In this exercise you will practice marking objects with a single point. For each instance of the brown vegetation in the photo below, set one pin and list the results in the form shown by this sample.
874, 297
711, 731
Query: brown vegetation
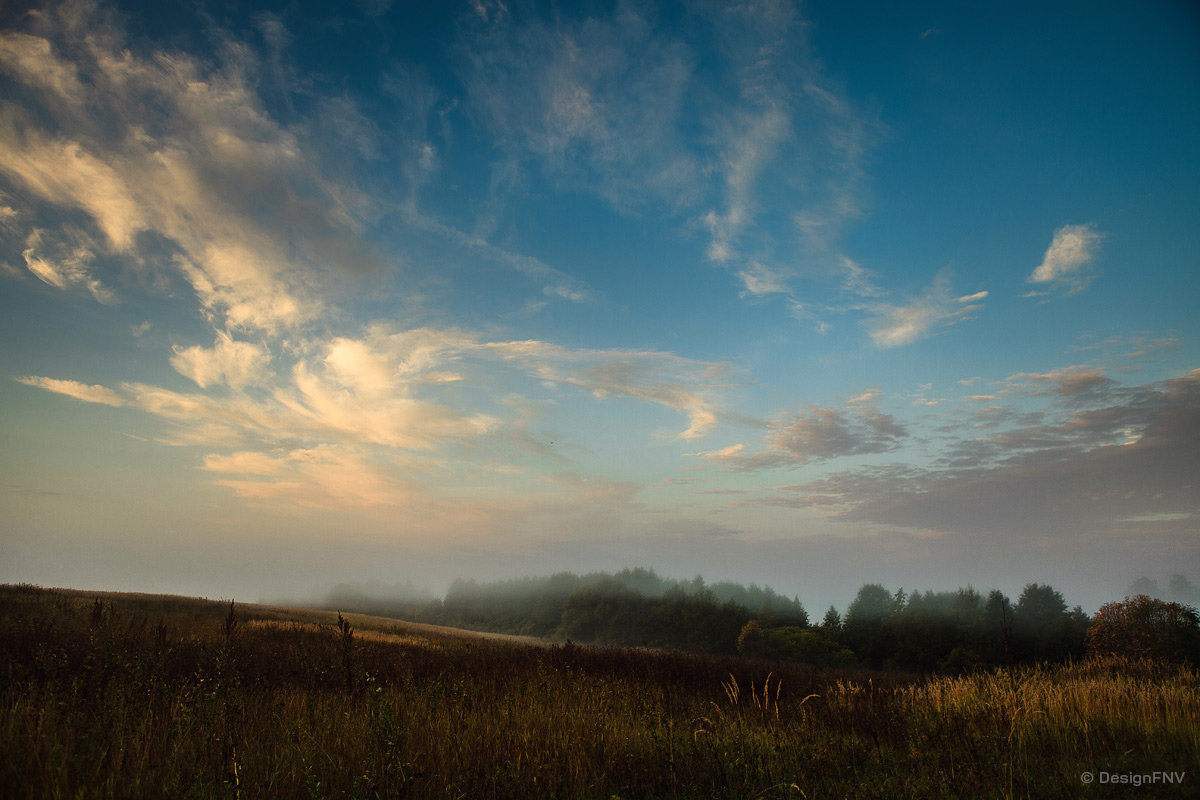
139, 696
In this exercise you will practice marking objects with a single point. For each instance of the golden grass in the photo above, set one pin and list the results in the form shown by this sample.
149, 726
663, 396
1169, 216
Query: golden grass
153, 698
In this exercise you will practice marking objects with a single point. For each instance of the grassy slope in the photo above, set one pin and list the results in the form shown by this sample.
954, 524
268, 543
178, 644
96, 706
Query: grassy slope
153, 696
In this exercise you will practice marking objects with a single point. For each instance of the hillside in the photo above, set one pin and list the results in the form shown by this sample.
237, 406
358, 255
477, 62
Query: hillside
151, 696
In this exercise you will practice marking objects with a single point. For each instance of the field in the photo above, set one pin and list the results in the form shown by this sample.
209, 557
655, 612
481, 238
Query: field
149, 696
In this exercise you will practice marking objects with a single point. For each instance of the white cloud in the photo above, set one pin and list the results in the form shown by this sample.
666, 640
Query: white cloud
233, 363
865, 400
245, 462
356, 365
596, 101
31, 58
1069, 257
616, 105
897, 325
387, 389
555, 283
662, 378
326, 407
326, 476
75, 389
857, 280
160, 148
762, 280
750, 144
726, 455
65, 263
65, 174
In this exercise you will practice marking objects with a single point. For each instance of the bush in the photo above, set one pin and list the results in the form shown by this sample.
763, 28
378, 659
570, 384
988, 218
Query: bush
1142, 626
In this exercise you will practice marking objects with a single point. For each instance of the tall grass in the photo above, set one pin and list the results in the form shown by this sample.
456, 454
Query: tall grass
158, 697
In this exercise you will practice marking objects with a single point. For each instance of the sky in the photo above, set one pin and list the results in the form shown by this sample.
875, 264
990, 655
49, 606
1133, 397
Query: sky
809, 295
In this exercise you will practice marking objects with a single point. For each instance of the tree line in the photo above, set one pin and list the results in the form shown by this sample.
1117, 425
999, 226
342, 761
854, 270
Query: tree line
952, 632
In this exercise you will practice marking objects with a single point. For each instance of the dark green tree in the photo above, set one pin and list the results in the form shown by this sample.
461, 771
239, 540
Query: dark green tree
1043, 630
863, 627
832, 620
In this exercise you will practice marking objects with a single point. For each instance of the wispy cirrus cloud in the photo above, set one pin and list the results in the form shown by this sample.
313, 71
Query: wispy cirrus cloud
174, 164
80, 391
594, 101
621, 105
936, 308
661, 378
554, 282
66, 261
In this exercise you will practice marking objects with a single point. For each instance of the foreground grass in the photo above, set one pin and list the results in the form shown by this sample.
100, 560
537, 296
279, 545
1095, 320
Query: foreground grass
155, 697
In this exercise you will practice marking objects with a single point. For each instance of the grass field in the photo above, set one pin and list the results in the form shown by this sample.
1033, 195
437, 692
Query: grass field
147, 696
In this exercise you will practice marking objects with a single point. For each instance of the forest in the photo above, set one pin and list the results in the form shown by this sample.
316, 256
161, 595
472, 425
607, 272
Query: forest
950, 632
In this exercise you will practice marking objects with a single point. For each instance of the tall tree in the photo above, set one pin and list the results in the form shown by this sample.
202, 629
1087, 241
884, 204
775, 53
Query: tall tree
863, 627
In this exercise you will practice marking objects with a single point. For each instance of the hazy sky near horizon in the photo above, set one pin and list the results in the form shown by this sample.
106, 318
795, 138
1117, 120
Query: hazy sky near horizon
811, 295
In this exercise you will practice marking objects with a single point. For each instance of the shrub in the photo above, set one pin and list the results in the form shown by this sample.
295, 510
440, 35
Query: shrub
1143, 626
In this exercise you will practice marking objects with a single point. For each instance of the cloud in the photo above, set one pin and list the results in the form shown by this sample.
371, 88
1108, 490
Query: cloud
898, 325
658, 377
65, 174
726, 455
31, 58
233, 363
395, 395
326, 406
1071, 382
817, 434
324, 477
856, 280
751, 143
555, 283
1071, 476
176, 165
789, 150
1068, 260
65, 263
80, 391
823, 433
758, 279
409, 498
595, 101
625, 107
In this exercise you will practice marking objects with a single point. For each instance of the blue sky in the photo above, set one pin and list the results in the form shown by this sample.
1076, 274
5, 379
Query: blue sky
804, 294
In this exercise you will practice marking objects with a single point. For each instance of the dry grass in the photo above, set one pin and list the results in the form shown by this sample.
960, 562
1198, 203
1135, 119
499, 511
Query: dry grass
157, 697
